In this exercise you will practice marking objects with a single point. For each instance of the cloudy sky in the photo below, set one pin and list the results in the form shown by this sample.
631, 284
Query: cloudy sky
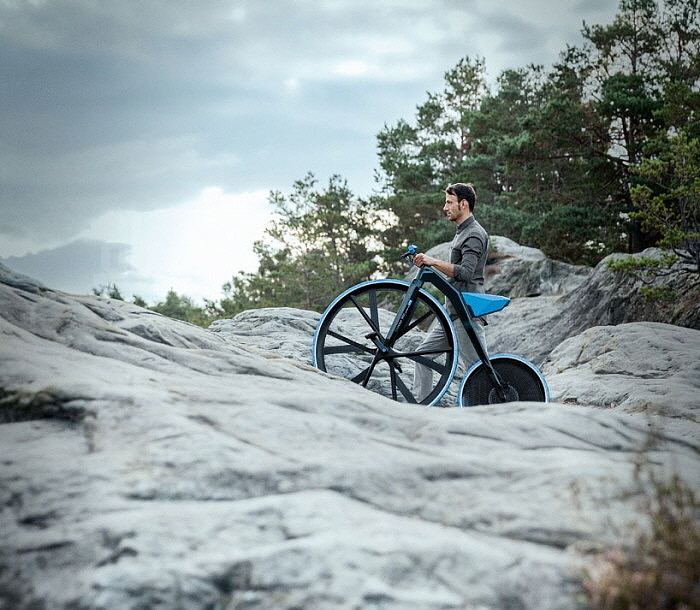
139, 139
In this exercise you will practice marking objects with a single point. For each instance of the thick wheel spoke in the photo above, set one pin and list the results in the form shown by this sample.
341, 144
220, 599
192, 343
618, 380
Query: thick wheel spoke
419, 357
362, 375
404, 390
394, 377
372, 325
415, 323
397, 383
342, 349
368, 373
350, 348
374, 310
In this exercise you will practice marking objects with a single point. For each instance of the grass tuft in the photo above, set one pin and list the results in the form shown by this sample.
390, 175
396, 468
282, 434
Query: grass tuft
659, 567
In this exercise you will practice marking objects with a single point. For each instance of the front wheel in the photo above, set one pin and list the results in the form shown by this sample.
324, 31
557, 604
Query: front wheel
351, 341
523, 382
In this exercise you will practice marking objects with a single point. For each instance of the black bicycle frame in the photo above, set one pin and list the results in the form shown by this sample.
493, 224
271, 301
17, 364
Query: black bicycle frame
437, 279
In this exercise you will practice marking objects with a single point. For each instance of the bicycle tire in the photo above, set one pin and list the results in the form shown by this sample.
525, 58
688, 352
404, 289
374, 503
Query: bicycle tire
523, 379
349, 341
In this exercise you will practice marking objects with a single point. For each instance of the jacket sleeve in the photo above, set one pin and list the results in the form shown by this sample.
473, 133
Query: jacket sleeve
469, 252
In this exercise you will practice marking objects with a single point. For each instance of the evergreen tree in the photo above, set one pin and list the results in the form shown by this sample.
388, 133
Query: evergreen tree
419, 160
550, 154
562, 195
668, 202
318, 243
667, 199
181, 307
644, 70
110, 290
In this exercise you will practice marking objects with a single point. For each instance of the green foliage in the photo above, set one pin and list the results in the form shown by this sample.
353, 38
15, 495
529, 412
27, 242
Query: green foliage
175, 306
667, 201
633, 264
110, 290
182, 307
647, 269
318, 243
658, 293
668, 198
562, 196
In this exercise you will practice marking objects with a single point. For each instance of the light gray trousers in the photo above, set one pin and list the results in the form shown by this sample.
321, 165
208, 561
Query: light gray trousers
436, 339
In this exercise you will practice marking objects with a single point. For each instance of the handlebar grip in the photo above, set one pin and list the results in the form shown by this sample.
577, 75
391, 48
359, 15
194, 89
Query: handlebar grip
410, 253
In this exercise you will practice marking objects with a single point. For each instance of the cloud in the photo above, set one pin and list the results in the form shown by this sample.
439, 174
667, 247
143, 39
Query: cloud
75, 267
353, 67
192, 248
136, 108
57, 195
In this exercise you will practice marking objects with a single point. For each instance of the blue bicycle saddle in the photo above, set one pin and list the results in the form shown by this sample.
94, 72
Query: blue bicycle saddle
484, 304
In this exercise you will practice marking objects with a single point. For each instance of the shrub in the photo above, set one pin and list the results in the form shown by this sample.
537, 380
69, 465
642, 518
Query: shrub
659, 567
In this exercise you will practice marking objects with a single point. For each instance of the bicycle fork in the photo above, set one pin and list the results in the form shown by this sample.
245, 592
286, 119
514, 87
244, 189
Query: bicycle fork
406, 309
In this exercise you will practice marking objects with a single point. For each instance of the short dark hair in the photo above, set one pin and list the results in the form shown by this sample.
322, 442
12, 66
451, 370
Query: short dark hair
463, 191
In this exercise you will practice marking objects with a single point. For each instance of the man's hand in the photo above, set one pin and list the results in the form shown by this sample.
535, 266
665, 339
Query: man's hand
421, 259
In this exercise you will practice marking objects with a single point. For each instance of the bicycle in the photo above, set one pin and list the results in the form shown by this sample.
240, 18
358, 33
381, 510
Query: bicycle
397, 315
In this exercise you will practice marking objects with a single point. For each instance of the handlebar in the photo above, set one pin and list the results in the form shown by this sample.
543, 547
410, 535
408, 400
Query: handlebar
411, 251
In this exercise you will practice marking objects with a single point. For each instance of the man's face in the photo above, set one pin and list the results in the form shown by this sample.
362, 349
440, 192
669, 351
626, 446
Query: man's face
453, 208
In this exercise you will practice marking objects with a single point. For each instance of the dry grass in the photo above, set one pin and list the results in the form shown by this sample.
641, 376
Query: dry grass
658, 568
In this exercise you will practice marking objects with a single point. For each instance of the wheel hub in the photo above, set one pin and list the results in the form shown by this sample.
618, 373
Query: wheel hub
384, 352
510, 394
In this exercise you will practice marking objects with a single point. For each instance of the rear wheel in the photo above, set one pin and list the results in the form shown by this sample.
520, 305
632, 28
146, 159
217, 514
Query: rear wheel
522, 379
350, 341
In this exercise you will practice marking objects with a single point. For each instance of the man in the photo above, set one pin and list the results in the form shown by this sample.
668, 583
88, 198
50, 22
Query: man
469, 250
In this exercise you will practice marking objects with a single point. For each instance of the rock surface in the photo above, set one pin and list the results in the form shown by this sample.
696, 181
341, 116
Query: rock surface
282, 331
148, 463
533, 327
638, 367
520, 271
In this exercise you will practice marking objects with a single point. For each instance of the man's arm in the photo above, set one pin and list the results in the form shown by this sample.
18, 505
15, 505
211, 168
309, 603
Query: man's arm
471, 251
421, 259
